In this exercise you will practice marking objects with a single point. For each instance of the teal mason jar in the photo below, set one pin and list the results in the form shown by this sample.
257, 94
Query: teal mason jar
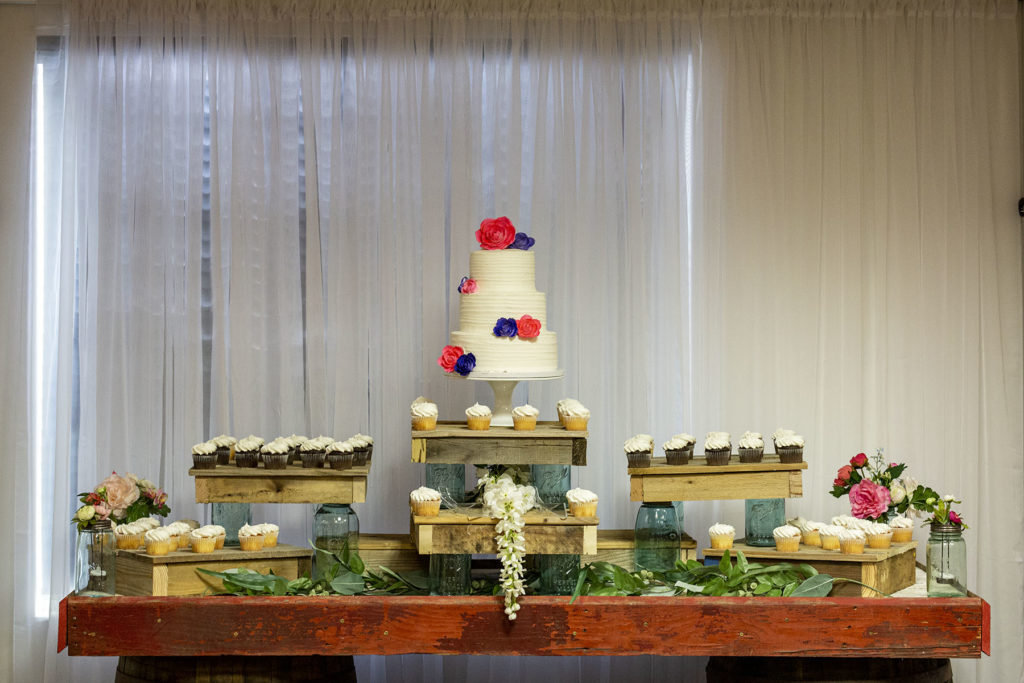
656, 537
762, 516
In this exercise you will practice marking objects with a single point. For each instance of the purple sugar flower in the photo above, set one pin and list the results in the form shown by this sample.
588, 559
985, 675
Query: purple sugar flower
506, 327
465, 364
522, 241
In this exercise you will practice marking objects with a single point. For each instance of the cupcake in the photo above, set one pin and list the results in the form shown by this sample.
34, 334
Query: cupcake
788, 445
829, 534
424, 415
524, 418
787, 538
810, 534
560, 408
204, 456
478, 417
902, 530
225, 448
425, 502
679, 449
851, 541
582, 503
367, 441
717, 448
270, 532
221, 534
190, 523
275, 454
339, 455
295, 442
722, 536
576, 416
179, 532
312, 454
879, 535
639, 450
250, 537
247, 451
751, 447
128, 536
360, 450
158, 542
147, 523
203, 540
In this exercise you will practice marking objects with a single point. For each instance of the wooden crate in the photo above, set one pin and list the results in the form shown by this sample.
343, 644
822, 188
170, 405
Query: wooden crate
175, 573
394, 551
455, 443
887, 570
294, 484
662, 483
456, 532
616, 546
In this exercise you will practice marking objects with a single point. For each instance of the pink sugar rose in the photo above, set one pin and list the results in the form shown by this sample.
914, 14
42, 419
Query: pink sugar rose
121, 492
495, 233
449, 356
868, 500
529, 327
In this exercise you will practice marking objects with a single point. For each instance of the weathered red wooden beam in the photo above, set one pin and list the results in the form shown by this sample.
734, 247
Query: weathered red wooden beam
808, 627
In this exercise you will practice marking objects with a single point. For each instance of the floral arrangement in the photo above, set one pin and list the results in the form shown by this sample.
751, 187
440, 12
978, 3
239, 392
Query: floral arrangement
121, 500
499, 233
944, 514
467, 286
509, 501
880, 491
454, 359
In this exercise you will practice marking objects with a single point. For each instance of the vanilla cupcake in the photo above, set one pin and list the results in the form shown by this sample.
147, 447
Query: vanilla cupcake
717, 448
751, 447
478, 417
203, 540
851, 541
879, 535
148, 523
810, 534
787, 538
788, 445
275, 454
179, 532
312, 453
576, 416
221, 534
424, 415
425, 502
250, 537
158, 542
270, 533
225, 448
902, 530
829, 535
524, 418
204, 456
560, 408
190, 523
247, 451
722, 536
340, 455
128, 536
582, 503
679, 449
639, 450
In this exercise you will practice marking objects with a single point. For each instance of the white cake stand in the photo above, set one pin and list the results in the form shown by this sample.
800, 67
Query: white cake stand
503, 384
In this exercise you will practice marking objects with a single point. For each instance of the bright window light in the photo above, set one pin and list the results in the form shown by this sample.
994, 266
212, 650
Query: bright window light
42, 587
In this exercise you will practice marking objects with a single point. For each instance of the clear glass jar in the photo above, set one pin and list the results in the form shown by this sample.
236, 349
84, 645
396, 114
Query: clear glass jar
762, 516
656, 537
231, 516
552, 483
335, 527
558, 573
449, 481
946, 564
450, 574
95, 558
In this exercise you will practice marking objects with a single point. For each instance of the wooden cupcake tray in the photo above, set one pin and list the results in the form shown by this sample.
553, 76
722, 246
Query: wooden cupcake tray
663, 483
455, 443
456, 532
888, 570
294, 484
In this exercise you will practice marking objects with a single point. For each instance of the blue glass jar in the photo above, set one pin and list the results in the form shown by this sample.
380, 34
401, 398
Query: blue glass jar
448, 480
656, 537
762, 516
450, 574
552, 482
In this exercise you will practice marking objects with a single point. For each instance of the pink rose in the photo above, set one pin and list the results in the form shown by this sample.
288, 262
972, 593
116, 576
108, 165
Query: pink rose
955, 518
868, 500
467, 286
844, 473
859, 460
528, 327
102, 511
449, 356
121, 492
495, 233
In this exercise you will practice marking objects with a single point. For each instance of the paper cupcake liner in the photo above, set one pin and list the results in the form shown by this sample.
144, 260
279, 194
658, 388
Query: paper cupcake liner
204, 461
790, 454
359, 457
678, 457
718, 457
275, 461
312, 459
641, 459
340, 461
247, 459
751, 454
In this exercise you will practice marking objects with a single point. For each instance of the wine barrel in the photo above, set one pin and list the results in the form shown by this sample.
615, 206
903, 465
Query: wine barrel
826, 669
233, 669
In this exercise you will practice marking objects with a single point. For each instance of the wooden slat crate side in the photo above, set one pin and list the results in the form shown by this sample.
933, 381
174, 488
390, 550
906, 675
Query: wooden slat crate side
264, 489
698, 465
183, 579
499, 451
723, 485
175, 574
823, 627
456, 539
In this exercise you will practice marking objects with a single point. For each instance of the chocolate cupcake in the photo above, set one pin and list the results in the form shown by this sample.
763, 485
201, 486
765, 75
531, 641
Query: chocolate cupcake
204, 456
717, 448
225, 448
788, 445
751, 447
312, 454
275, 454
639, 450
247, 451
340, 455
679, 449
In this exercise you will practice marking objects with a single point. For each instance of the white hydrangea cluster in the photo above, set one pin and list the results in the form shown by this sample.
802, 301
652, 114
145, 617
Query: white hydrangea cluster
508, 501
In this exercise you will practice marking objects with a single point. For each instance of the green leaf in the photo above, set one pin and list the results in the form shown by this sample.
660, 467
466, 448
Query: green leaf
356, 564
741, 562
725, 564
578, 591
605, 591
762, 588
692, 588
807, 570
817, 586
347, 583
788, 590
625, 581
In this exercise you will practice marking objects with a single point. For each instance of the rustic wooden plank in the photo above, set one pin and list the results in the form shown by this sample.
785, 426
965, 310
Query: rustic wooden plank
62, 624
476, 538
455, 443
545, 429
533, 517
262, 488
698, 465
394, 551
289, 472
713, 483
226, 554
616, 546
803, 627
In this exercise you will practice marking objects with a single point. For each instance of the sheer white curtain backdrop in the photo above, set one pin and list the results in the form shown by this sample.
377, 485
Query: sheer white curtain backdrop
747, 215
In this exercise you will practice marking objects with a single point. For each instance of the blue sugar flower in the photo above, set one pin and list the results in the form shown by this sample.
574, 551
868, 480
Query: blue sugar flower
506, 327
465, 364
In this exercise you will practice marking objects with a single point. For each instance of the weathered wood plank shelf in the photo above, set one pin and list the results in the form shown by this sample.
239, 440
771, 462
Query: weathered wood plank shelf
662, 483
888, 570
294, 484
175, 573
454, 443
454, 532
391, 625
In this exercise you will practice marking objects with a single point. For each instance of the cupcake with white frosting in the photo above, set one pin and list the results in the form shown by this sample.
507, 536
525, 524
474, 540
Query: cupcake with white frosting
250, 537
270, 532
295, 441
478, 417
204, 455
340, 455
158, 542
220, 534
851, 541
424, 415
425, 502
751, 447
679, 449
524, 418
367, 442
247, 451
902, 529
717, 448
639, 450
313, 453
788, 445
582, 503
787, 538
574, 416
810, 532
179, 532
275, 454
203, 540
829, 535
879, 535
225, 448
722, 536
128, 536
